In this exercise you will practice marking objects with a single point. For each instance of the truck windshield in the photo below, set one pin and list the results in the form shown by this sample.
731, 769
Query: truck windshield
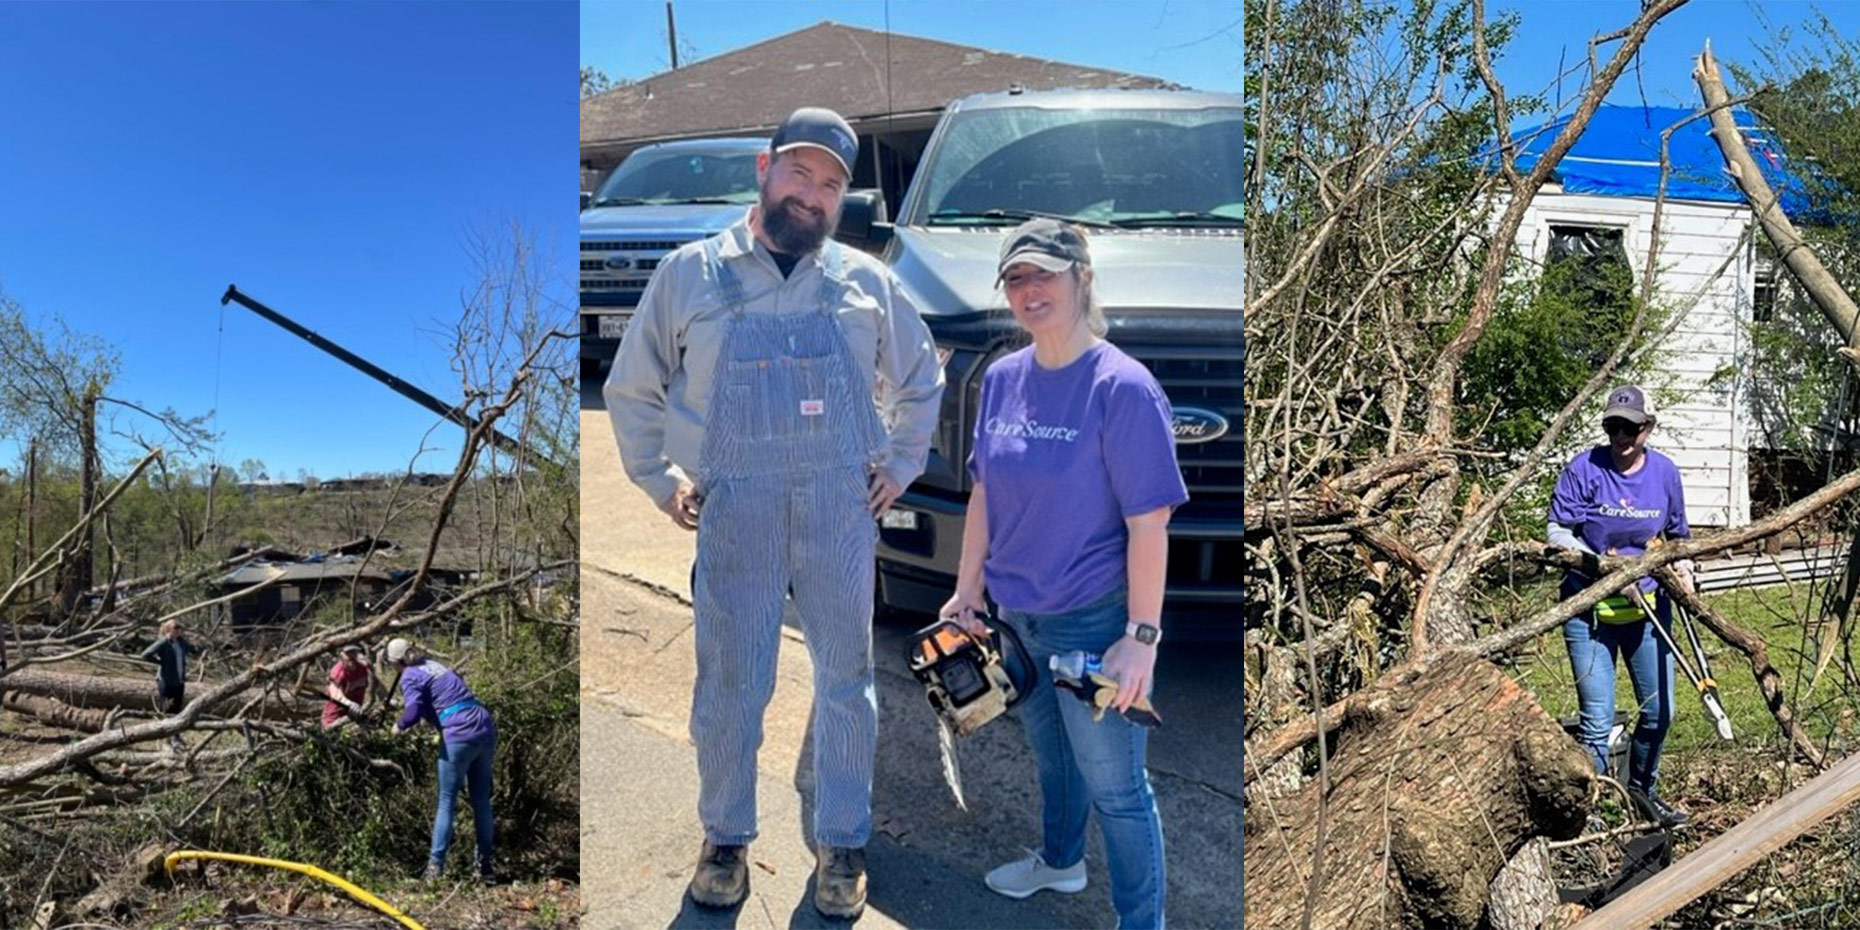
1120, 167
681, 177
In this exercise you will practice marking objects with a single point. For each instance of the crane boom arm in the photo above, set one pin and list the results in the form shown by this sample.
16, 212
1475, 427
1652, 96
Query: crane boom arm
453, 412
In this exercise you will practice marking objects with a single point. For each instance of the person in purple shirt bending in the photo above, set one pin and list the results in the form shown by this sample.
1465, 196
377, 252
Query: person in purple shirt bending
1615, 499
1074, 477
468, 743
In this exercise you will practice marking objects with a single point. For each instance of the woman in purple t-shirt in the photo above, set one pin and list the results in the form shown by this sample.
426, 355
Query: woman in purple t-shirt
1074, 477
1614, 500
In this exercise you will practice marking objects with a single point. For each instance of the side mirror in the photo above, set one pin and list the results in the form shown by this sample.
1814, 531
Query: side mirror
864, 220
587, 197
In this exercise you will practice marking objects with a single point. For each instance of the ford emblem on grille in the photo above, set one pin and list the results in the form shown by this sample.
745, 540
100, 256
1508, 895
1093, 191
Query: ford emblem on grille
618, 263
1194, 425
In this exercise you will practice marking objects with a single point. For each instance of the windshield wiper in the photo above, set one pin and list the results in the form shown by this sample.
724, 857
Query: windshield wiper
621, 202
1184, 218
1006, 216
709, 200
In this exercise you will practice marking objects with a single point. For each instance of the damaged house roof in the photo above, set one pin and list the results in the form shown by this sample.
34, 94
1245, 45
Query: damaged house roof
843, 68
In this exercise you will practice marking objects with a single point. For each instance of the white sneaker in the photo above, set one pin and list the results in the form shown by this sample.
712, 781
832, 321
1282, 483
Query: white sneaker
1022, 878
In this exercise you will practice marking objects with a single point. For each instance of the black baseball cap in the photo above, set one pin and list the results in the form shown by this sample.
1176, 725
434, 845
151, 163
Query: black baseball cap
1629, 403
822, 129
1047, 243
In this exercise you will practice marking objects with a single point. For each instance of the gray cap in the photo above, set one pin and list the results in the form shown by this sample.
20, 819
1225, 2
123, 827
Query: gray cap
821, 128
1047, 243
397, 649
352, 647
1630, 403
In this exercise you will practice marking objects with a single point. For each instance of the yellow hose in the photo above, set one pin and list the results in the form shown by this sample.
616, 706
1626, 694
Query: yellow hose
354, 891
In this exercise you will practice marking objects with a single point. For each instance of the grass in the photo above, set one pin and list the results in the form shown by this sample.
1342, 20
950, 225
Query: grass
1774, 614
1813, 881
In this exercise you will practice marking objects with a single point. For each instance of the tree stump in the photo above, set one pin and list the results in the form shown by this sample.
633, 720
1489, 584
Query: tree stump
1441, 772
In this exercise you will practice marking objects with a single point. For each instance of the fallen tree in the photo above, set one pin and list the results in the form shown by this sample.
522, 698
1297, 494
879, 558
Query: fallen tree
1384, 536
1440, 774
79, 689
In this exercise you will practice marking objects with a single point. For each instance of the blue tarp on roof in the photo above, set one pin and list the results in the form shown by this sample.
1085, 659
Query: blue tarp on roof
1618, 155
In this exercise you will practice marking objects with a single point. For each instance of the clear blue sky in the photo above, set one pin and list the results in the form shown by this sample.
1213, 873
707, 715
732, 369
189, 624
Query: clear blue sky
1736, 28
1191, 42
330, 158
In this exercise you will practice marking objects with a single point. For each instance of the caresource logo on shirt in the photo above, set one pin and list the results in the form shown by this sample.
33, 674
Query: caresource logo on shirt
1627, 510
1030, 429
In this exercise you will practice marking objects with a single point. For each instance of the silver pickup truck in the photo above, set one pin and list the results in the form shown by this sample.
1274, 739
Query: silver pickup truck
661, 197
1155, 177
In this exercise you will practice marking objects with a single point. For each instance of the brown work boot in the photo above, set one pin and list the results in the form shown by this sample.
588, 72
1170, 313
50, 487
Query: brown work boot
839, 882
722, 878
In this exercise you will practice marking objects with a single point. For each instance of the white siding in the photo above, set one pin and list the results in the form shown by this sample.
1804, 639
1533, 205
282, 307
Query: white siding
1704, 275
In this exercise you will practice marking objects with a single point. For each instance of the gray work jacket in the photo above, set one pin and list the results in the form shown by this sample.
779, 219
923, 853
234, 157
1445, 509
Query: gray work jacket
658, 393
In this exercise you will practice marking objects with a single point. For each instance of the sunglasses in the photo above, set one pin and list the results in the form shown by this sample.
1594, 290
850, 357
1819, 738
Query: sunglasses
1617, 427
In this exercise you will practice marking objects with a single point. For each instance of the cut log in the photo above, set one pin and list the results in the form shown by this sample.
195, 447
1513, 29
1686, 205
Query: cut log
105, 693
53, 712
1442, 773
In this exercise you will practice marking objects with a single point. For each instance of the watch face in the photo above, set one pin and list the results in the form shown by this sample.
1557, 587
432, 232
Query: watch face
1146, 634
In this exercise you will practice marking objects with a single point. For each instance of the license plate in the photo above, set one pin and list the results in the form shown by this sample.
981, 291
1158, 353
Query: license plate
895, 519
613, 326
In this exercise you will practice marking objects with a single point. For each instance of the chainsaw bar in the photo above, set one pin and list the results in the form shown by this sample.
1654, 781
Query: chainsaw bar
952, 772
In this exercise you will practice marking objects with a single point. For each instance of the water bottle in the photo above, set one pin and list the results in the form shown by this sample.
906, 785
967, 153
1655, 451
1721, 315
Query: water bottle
1077, 666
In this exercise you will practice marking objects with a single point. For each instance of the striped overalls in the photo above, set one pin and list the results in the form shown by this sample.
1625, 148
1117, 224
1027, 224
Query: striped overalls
789, 443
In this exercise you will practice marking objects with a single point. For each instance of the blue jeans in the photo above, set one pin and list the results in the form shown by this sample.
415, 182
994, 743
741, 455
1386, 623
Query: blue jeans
1086, 764
1592, 649
467, 764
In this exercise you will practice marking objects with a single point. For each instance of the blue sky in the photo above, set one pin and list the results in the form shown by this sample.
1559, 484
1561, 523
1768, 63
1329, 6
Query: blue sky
331, 158
1736, 28
1191, 42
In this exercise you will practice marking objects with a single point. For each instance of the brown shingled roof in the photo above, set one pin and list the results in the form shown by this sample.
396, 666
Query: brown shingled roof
828, 65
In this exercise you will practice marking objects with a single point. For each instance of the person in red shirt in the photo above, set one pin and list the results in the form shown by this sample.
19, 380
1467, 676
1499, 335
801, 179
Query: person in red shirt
348, 689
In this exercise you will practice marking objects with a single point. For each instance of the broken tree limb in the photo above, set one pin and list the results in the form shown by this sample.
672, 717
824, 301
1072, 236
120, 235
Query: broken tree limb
53, 712
1620, 572
1719, 860
1820, 285
1769, 681
1439, 777
104, 693
1623, 571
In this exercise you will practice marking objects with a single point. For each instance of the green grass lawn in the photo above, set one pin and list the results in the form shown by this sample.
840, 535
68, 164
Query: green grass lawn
1774, 613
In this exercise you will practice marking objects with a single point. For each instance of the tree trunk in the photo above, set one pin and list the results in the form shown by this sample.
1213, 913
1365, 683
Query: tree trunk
54, 712
101, 692
1822, 287
1441, 773
1524, 893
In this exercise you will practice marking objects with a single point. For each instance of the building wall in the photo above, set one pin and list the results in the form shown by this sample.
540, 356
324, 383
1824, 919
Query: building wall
1705, 279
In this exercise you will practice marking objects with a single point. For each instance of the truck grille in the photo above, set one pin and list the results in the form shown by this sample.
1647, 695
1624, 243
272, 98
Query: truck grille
604, 285
1203, 552
1208, 380
651, 245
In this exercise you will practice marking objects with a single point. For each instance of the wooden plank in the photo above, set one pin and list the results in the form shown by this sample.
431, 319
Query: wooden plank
1734, 850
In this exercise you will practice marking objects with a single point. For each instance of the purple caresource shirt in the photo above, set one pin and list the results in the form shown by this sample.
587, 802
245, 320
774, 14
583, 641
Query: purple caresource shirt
1065, 455
1608, 509
430, 688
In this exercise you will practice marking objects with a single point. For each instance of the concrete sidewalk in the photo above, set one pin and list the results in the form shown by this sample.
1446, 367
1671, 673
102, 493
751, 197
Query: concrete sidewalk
640, 839
640, 834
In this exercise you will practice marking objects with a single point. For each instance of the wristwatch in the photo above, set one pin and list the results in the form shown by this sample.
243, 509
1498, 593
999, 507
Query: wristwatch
1144, 633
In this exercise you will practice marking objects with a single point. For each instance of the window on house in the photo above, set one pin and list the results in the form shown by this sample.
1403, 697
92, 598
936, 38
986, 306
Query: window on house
1586, 269
1763, 295
1600, 251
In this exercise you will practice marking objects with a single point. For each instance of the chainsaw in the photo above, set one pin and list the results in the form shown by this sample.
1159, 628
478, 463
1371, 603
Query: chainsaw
970, 680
